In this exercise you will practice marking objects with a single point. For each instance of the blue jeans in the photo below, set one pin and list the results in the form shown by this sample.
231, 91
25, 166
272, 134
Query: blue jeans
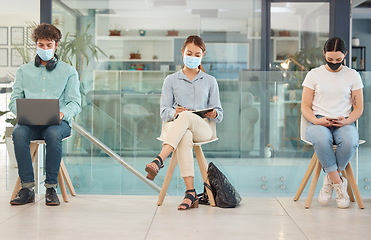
345, 137
53, 135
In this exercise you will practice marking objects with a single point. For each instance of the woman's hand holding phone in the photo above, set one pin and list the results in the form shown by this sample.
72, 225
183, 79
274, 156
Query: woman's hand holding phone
332, 118
324, 121
340, 121
331, 121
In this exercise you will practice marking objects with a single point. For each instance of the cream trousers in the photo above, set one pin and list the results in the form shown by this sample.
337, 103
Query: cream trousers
181, 134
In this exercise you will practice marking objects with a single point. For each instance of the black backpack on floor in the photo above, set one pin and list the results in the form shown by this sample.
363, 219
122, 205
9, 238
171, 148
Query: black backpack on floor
225, 194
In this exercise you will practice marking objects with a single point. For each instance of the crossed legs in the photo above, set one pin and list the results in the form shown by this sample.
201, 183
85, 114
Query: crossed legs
179, 136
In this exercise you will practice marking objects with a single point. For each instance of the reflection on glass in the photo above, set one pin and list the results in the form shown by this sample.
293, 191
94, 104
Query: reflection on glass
259, 147
298, 32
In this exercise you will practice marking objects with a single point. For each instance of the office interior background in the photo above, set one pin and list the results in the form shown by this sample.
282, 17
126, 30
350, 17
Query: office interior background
259, 52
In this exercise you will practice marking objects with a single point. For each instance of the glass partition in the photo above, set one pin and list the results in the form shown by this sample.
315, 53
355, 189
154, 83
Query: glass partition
259, 147
363, 169
129, 123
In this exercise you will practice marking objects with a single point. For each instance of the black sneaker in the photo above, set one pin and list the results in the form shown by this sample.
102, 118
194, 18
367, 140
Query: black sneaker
51, 198
25, 195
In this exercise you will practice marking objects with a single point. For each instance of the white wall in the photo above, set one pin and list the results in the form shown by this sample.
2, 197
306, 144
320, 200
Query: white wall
16, 14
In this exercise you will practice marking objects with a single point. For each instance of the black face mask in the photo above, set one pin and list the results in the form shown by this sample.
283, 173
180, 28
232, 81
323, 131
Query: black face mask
334, 66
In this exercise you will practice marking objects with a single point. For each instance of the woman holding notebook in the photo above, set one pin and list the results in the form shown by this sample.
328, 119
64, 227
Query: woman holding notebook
188, 89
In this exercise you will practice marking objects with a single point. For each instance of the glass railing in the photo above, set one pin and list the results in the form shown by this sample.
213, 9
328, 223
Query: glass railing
364, 128
91, 168
7, 159
259, 147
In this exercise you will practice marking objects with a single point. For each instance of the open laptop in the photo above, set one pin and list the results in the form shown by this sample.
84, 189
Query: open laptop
40, 112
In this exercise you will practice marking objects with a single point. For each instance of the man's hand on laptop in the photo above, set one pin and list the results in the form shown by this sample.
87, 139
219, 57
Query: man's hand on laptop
61, 115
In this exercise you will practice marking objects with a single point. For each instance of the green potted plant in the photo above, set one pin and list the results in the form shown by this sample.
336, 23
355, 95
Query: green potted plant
78, 48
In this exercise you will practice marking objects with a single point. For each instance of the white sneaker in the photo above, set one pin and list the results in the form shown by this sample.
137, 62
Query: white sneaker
325, 194
342, 198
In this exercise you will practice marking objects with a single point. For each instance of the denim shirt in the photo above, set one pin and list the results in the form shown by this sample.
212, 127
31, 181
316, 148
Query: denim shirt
200, 93
38, 83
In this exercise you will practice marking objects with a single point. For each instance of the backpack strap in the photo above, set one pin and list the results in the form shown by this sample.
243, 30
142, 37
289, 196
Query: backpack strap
208, 186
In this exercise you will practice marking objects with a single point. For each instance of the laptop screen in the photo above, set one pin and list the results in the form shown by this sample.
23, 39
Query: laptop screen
41, 112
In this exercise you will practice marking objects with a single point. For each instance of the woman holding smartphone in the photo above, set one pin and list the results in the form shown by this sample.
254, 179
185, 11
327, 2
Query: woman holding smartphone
332, 101
187, 89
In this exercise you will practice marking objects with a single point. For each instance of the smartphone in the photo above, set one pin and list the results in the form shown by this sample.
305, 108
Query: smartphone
333, 119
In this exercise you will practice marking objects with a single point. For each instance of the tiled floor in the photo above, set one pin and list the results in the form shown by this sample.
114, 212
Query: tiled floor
138, 217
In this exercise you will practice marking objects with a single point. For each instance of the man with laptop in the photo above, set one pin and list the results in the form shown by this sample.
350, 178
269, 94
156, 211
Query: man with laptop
45, 98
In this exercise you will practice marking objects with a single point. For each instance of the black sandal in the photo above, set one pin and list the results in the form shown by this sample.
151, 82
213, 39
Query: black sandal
194, 200
152, 173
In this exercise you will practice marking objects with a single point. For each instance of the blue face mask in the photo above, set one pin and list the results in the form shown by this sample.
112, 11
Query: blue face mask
192, 62
45, 55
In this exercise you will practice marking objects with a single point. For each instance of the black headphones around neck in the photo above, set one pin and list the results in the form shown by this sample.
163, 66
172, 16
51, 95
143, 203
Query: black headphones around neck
50, 65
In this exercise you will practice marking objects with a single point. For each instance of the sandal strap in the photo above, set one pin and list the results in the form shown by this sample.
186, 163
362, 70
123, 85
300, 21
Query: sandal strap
190, 190
160, 164
190, 197
185, 204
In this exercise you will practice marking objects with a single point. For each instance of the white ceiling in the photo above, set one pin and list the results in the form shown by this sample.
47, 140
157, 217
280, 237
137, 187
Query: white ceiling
205, 8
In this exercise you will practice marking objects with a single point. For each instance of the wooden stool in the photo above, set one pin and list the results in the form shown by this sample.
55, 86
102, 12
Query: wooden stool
316, 166
202, 164
34, 146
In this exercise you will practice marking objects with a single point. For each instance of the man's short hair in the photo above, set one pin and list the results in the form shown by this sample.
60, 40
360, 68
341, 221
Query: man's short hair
46, 31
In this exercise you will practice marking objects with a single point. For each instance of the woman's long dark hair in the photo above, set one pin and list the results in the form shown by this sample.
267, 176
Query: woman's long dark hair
335, 44
199, 42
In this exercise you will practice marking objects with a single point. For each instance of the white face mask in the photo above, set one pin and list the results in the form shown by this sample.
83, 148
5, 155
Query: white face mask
192, 62
45, 55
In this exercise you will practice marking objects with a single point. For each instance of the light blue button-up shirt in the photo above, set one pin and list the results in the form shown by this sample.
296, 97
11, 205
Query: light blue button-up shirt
200, 93
38, 83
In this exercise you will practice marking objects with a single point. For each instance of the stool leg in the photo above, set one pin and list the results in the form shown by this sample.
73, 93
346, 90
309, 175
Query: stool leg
62, 186
67, 178
353, 183
306, 177
202, 164
166, 183
349, 188
17, 187
33, 151
313, 184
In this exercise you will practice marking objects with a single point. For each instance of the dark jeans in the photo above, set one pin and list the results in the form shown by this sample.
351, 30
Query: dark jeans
53, 135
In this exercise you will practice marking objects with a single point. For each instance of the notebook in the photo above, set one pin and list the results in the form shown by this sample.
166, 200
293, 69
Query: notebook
202, 112
40, 112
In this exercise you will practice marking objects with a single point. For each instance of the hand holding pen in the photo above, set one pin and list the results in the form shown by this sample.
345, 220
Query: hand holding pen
179, 109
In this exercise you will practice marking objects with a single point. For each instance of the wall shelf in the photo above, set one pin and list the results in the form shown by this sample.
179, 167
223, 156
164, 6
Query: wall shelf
152, 49
136, 81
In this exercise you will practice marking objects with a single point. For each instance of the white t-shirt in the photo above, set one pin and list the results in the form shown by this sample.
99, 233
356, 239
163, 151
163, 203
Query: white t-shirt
332, 90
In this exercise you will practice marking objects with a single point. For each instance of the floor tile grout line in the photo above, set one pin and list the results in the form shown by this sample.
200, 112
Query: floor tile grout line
150, 225
291, 218
29, 206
